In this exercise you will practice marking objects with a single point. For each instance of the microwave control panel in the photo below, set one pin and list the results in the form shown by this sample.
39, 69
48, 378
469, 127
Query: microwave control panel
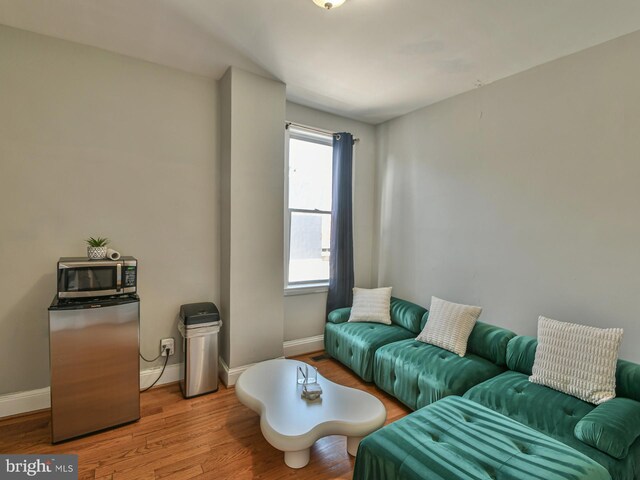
130, 276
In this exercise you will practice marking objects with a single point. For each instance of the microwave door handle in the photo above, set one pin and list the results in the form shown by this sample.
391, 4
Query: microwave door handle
118, 277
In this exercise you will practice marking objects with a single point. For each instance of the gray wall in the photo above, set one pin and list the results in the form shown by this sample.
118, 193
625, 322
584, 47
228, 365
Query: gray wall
252, 157
522, 196
93, 143
304, 315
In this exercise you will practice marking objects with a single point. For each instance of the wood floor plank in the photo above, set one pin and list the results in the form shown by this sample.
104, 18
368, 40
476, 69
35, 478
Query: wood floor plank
208, 437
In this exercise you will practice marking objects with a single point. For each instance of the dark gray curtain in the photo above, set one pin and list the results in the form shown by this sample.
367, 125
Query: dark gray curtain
341, 256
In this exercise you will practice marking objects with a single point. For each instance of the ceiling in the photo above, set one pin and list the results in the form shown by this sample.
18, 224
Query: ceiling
370, 60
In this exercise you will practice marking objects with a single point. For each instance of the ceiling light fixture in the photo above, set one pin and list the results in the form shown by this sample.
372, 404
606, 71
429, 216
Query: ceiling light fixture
328, 4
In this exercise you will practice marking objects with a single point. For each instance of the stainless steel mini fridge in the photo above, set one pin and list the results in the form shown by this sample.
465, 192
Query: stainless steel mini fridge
95, 368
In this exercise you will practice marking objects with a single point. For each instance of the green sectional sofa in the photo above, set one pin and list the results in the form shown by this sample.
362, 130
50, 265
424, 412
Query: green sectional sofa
355, 343
419, 374
608, 433
455, 438
414, 372
479, 416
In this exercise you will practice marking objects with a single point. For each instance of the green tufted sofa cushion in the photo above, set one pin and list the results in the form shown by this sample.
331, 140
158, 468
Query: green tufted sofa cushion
403, 313
486, 340
490, 342
418, 374
612, 427
458, 439
628, 380
521, 352
407, 314
542, 408
550, 412
355, 344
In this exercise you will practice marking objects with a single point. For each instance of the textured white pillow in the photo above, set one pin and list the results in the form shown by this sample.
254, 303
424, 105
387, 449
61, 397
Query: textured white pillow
371, 305
449, 325
577, 359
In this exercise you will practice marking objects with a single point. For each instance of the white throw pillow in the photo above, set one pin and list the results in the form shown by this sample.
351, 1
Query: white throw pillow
371, 305
577, 359
449, 325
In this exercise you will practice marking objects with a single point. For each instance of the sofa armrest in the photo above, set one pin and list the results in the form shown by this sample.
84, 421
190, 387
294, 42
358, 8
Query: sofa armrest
339, 315
611, 427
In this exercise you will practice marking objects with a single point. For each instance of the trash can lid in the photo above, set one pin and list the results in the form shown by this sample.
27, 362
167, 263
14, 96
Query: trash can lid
195, 313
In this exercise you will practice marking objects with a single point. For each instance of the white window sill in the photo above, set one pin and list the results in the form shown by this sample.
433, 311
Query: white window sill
307, 289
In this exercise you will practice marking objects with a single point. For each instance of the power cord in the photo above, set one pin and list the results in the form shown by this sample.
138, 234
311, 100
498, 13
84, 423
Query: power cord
153, 359
166, 360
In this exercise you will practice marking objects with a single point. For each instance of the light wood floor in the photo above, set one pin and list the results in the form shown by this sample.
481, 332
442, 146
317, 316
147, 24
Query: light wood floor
207, 437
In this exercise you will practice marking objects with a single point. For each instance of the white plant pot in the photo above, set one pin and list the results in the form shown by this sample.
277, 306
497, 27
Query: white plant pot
96, 253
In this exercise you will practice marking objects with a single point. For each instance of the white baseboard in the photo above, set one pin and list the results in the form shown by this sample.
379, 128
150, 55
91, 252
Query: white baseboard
21, 402
223, 371
303, 345
32, 400
229, 376
291, 348
40, 399
171, 374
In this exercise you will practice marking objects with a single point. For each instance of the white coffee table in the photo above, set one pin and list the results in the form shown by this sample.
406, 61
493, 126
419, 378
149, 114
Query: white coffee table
293, 424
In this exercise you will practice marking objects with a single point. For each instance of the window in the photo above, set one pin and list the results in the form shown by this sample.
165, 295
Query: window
308, 208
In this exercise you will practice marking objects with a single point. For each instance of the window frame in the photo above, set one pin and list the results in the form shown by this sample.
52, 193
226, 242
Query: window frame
312, 135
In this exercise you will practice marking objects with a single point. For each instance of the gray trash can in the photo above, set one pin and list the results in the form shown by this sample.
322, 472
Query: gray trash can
199, 326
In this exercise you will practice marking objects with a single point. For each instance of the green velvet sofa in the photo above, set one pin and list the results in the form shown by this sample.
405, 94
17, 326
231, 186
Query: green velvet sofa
456, 438
608, 433
509, 428
355, 343
414, 372
494, 376
419, 374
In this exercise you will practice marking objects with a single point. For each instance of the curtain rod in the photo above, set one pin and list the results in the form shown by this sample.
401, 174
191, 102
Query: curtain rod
313, 129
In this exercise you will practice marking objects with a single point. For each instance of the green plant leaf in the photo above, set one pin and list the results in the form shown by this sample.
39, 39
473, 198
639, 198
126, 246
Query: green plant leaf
97, 242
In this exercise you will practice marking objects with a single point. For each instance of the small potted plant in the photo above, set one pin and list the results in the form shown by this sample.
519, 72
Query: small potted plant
97, 248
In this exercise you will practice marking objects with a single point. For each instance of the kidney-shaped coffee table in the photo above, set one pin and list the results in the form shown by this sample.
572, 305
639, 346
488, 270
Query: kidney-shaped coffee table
293, 424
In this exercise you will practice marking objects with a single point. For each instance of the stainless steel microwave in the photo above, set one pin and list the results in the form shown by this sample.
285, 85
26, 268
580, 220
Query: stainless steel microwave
79, 277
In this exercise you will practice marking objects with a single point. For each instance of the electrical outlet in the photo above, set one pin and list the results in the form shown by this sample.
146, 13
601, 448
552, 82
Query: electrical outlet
169, 345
